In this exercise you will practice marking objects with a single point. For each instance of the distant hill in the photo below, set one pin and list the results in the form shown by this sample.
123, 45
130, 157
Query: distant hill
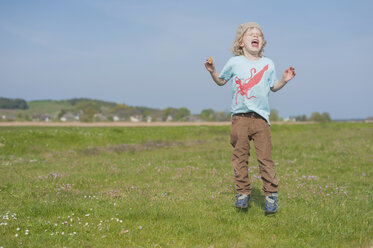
84, 109
48, 106
92, 110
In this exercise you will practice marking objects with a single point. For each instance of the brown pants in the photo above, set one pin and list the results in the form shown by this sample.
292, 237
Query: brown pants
246, 127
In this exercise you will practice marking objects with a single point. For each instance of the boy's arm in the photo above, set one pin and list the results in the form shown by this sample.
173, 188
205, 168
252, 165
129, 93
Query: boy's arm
288, 75
219, 81
209, 64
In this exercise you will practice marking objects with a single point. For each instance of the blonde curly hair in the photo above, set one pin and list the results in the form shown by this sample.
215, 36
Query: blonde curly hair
237, 48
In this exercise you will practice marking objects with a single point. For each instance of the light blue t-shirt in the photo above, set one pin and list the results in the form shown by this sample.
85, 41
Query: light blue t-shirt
251, 83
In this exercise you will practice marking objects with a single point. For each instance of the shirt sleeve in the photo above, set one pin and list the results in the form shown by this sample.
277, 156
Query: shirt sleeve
227, 72
272, 76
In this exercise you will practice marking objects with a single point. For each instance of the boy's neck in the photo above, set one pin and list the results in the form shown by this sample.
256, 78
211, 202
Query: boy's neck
250, 56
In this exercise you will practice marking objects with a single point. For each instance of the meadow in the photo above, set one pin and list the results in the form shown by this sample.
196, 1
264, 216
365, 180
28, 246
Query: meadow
173, 187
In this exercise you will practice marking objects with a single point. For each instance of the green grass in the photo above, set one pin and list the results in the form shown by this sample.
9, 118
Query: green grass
173, 187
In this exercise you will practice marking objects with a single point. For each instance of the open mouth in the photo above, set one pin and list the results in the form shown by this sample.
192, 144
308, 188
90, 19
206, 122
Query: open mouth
255, 43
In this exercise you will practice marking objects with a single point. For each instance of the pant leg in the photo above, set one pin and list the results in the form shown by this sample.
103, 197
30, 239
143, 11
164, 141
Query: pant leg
240, 155
263, 148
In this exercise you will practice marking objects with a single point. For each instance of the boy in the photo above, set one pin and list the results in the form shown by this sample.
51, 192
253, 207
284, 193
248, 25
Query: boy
252, 77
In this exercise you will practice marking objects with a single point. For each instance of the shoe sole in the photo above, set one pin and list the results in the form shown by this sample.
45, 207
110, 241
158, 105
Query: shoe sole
270, 212
241, 207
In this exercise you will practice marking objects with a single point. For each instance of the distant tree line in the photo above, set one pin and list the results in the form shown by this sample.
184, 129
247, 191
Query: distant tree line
315, 117
180, 114
211, 115
89, 110
7, 103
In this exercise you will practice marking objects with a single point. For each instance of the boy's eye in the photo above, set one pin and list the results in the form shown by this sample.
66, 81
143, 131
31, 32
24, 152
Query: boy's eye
259, 35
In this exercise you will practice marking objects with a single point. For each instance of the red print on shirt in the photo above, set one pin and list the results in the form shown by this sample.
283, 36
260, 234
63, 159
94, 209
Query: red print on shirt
253, 80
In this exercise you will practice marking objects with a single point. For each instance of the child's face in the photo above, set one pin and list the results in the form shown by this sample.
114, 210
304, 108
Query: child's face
252, 41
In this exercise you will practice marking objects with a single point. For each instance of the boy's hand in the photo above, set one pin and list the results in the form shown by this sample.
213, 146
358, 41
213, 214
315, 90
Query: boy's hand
289, 74
209, 64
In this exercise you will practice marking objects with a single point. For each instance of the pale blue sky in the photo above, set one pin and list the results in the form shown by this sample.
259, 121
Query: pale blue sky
151, 53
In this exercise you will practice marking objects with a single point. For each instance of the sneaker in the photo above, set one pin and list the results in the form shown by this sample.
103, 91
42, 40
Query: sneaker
271, 204
242, 201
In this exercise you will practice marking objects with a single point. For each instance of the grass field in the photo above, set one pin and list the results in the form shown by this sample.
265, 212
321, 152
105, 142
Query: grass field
173, 187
